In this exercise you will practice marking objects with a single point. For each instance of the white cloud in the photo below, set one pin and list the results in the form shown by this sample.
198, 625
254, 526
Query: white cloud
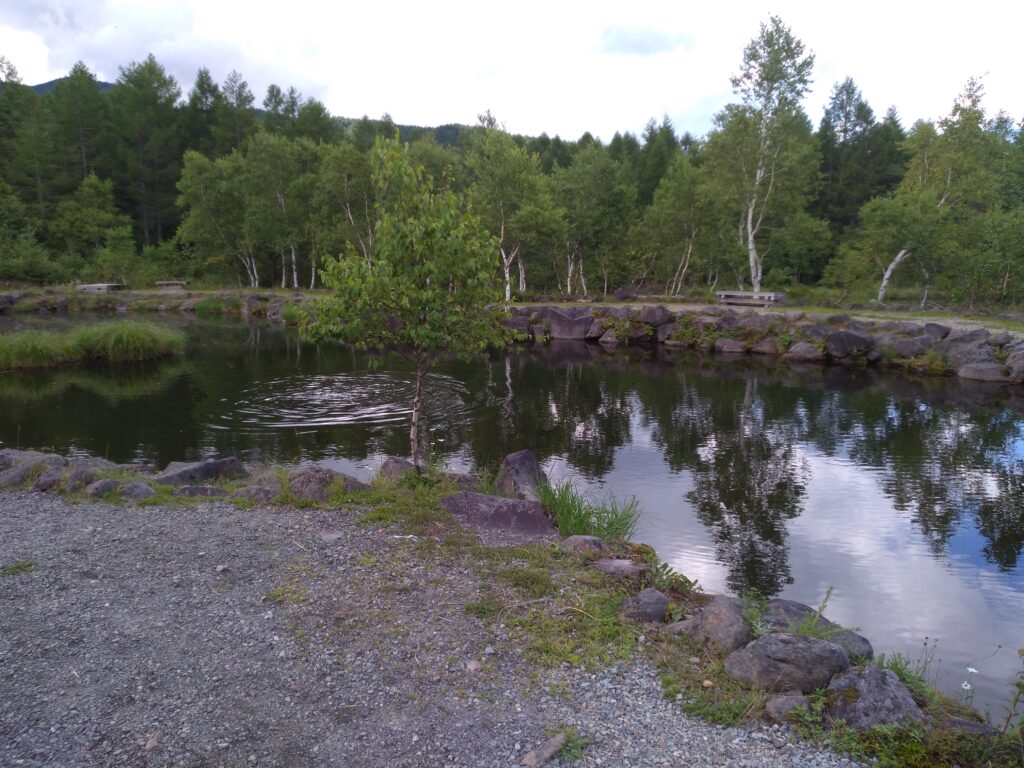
555, 67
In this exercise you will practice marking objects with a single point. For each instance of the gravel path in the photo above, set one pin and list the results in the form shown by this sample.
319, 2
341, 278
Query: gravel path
216, 636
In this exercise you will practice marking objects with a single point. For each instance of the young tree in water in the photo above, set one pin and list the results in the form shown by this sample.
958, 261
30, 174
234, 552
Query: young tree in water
430, 290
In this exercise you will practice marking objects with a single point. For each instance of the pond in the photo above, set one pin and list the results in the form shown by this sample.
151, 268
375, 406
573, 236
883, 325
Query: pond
906, 497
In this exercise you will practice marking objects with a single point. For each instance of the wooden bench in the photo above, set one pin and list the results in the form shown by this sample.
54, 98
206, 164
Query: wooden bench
100, 287
756, 298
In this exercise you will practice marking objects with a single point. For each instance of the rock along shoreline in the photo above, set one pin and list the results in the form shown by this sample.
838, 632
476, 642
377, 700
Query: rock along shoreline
928, 348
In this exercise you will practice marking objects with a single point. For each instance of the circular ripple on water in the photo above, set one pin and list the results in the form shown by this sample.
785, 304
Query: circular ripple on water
305, 402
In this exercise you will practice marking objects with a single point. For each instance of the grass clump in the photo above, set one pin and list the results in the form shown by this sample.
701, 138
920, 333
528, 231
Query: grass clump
105, 343
574, 514
211, 305
22, 566
292, 314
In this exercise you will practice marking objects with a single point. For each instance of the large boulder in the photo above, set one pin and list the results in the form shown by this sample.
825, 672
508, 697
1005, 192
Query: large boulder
648, 605
395, 468
864, 697
103, 487
726, 346
804, 352
719, 624
137, 490
784, 615
1015, 366
500, 521
962, 349
983, 372
597, 329
655, 316
904, 346
846, 344
781, 662
562, 324
936, 331
191, 472
769, 346
48, 479
24, 465
314, 483
520, 476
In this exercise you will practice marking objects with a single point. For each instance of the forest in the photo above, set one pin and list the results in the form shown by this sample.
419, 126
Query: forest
138, 181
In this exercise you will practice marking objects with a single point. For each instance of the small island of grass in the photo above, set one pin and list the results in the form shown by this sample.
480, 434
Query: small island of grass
103, 344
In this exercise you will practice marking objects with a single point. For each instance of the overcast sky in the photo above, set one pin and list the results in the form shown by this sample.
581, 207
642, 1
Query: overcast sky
549, 66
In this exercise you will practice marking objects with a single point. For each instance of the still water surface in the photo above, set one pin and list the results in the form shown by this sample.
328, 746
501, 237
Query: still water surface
906, 497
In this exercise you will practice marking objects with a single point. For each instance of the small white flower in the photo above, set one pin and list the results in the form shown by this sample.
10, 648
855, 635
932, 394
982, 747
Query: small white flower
965, 685
972, 670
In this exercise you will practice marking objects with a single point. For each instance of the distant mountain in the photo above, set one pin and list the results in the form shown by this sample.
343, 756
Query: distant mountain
44, 88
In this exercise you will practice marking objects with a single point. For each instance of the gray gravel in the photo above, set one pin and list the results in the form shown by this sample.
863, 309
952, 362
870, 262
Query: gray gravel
214, 636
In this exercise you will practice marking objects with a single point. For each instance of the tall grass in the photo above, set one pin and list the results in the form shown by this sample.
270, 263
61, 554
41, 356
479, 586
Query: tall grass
106, 343
575, 514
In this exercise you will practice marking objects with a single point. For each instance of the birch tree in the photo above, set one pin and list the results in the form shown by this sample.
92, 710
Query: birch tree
509, 193
761, 147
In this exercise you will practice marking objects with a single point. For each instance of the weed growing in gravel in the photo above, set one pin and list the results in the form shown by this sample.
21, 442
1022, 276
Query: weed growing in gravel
22, 566
697, 678
535, 582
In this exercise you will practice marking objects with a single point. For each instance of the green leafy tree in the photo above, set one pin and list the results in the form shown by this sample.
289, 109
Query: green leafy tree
83, 221
599, 203
509, 193
431, 288
147, 124
212, 196
933, 217
672, 225
235, 115
761, 150
83, 129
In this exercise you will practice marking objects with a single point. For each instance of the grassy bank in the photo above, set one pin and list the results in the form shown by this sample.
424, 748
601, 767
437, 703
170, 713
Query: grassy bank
103, 344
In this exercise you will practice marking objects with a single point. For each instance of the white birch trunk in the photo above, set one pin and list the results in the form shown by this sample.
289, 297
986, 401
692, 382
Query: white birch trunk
902, 256
295, 267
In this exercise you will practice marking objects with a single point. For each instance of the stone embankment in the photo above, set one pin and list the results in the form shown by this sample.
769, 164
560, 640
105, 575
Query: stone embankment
930, 348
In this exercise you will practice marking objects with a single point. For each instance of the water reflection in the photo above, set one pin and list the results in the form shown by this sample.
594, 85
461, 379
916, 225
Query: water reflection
907, 496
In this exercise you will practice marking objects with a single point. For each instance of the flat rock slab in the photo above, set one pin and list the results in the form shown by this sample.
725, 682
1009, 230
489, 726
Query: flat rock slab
620, 568
719, 624
500, 522
185, 473
868, 696
780, 662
